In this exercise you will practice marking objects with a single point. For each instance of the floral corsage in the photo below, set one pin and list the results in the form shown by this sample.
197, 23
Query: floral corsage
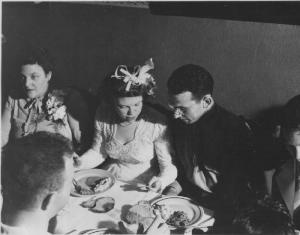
55, 108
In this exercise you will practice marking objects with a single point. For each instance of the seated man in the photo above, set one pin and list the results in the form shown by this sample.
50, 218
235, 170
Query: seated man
37, 173
212, 144
264, 216
282, 160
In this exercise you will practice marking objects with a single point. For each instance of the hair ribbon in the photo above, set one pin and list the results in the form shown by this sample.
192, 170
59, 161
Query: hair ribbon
138, 77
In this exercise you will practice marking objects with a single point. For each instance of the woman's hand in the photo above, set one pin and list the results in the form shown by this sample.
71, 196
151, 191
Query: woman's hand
155, 184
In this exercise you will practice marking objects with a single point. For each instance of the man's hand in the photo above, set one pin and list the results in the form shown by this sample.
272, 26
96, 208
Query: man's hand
155, 185
158, 226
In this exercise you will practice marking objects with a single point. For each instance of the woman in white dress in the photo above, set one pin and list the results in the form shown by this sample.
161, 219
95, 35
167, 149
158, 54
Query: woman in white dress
130, 137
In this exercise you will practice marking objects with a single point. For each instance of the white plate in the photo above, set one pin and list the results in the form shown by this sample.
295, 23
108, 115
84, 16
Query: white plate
83, 176
187, 205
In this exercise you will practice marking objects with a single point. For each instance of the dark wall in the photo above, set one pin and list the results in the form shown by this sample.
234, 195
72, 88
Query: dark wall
255, 65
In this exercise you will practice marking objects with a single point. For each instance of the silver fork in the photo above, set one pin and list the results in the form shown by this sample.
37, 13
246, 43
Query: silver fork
91, 231
76, 185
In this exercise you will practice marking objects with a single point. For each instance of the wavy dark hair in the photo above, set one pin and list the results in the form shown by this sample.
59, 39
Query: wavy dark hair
31, 56
193, 78
39, 56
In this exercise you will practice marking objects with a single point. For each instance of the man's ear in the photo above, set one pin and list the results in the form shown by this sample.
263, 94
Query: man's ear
208, 100
48, 200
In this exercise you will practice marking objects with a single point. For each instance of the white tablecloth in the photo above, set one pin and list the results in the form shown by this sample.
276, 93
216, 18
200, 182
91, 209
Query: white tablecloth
75, 217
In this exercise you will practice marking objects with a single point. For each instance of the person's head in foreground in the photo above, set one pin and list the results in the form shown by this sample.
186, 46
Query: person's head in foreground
127, 88
37, 173
290, 122
190, 90
265, 216
35, 67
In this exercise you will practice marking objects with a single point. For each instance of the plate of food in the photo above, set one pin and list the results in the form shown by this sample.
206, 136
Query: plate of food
91, 182
178, 212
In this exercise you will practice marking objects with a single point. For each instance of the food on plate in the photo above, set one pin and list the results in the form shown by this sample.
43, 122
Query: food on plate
138, 212
178, 219
141, 213
93, 185
101, 184
101, 205
164, 211
83, 191
173, 218
104, 204
89, 203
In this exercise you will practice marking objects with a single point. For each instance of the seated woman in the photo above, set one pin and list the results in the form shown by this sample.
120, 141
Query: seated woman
131, 139
35, 107
282, 168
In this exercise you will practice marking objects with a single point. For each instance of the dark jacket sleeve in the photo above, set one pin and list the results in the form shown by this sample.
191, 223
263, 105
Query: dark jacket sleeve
233, 189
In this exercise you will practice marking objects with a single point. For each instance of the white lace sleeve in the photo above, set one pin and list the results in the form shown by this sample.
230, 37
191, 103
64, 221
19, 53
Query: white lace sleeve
95, 155
163, 150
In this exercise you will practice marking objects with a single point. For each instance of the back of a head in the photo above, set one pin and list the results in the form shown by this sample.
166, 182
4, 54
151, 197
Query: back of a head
193, 78
33, 166
291, 113
265, 217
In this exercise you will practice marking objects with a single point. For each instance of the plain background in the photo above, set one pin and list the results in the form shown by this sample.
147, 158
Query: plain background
256, 66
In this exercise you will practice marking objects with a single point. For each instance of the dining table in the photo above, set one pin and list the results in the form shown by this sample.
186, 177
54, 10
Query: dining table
74, 219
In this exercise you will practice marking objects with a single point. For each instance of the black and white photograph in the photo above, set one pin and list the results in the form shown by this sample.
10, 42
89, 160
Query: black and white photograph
150, 117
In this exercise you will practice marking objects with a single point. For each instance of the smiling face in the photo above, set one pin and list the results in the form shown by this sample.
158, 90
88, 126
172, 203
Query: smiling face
187, 107
35, 81
128, 108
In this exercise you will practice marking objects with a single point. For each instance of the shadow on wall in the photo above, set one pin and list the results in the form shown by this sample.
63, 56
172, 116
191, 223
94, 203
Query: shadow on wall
82, 105
90, 40
269, 119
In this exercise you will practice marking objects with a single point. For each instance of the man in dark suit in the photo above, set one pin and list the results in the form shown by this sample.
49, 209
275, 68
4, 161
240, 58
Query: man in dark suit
211, 144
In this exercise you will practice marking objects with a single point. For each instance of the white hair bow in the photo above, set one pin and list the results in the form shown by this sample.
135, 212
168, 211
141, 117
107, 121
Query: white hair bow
138, 77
